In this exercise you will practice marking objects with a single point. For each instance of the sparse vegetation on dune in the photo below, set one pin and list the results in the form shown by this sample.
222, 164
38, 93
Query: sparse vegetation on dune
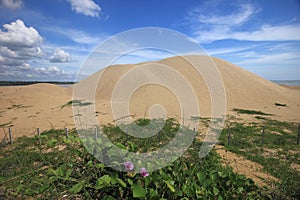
63, 168
276, 150
76, 102
249, 112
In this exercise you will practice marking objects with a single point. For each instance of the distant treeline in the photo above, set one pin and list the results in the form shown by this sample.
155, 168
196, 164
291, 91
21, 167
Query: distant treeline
14, 83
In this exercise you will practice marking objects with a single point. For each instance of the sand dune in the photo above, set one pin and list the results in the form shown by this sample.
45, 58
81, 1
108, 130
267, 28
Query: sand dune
42, 105
26, 108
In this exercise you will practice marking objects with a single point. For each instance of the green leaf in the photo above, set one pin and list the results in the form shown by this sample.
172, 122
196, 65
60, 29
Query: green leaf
51, 143
103, 181
215, 191
129, 181
138, 191
52, 172
78, 187
178, 193
29, 192
100, 166
68, 173
60, 171
170, 186
121, 182
201, 177
121, 146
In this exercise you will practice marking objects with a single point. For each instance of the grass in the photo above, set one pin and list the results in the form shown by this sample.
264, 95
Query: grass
16, 106
276, 155
280, 104
250, 112
63, 168
76, 103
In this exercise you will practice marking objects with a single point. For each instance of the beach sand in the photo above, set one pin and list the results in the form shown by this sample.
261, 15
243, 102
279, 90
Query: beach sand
44, 106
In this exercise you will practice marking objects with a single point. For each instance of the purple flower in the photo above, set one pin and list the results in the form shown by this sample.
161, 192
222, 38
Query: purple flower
144, 172
128, 166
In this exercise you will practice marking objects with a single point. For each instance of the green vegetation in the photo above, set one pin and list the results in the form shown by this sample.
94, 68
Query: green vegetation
249, 112
277, 152
18, 106
280, 104
62, 168
76, 103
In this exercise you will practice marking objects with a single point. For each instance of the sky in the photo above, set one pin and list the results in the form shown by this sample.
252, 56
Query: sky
49, 40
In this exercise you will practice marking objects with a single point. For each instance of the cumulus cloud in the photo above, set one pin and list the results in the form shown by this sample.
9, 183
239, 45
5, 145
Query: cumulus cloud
11, 4
86, 7
18, 35
27, 72
52, 70
19, 43
60, 56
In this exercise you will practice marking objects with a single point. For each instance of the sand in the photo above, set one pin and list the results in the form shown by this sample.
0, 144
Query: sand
241, 165
26, 108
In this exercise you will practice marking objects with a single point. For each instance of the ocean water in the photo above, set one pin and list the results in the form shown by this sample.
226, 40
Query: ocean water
287, 82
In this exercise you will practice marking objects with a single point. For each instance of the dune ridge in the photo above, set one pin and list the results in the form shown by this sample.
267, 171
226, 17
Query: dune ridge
42, 105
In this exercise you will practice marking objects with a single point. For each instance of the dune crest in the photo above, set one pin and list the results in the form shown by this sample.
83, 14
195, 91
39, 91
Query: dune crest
48, 106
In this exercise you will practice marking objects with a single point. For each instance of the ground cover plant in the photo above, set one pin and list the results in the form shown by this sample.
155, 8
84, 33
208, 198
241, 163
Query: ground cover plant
272, 144
62, 168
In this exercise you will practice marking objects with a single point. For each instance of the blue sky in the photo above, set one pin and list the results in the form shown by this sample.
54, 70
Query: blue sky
50, 39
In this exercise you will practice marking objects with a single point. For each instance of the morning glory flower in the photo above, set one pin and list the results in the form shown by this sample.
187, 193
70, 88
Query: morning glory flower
128, 166
144, 172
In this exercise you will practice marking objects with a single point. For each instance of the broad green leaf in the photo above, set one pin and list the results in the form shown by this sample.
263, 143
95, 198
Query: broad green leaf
100, 166
153, 193
138, 191
60, 171
51, 143
102, 181
215, 191
78, 187
201, 177
68, 173
121, 182
52, 172
113, 180
121, 146
178, 193
129, 181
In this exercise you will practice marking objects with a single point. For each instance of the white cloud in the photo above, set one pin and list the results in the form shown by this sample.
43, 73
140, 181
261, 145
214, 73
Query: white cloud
221, 51
236, 18
19, 43
11, 4
265, 33
212, 26
49, 70
82, 37
60, 55
18, 35
77, 36
272, 59
270, 33
86, 7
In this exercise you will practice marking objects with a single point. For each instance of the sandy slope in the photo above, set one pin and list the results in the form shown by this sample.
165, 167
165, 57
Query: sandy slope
36, 106
40, 105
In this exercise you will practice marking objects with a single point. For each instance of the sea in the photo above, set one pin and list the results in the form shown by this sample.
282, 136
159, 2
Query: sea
287, 82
